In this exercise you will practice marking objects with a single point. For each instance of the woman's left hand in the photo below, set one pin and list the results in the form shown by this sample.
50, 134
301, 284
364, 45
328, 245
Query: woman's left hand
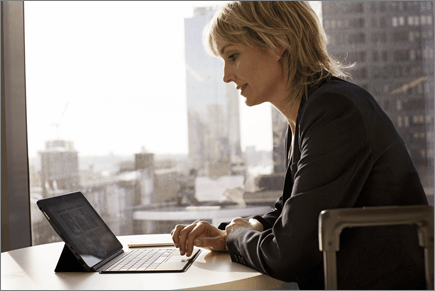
240, 222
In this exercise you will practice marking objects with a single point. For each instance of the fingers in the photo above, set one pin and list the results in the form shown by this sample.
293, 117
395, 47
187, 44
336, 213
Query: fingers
179, 235
201, 229
203, 234
185, 237
176, 234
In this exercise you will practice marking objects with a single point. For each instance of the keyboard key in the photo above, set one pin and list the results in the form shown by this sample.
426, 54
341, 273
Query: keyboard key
141, 260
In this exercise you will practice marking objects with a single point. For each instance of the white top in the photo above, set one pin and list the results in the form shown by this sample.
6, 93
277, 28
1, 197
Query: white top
33, 268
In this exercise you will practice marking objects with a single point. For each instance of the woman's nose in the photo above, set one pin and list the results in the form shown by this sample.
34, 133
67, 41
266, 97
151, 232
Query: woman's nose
227, 75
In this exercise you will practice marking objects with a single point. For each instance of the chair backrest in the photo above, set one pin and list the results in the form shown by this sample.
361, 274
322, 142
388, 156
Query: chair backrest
333, 221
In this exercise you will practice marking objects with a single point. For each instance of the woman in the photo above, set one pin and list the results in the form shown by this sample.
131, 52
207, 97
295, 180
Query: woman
343, 151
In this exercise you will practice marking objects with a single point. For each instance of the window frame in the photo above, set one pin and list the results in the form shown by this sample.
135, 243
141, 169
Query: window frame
15, 194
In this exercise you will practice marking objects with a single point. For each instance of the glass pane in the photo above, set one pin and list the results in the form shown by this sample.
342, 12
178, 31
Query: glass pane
125, 106
392, 45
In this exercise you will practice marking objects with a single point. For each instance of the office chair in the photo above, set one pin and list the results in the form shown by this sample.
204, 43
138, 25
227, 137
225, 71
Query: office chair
333, 221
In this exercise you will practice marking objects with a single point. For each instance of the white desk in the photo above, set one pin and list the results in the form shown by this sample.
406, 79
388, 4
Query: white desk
33, 268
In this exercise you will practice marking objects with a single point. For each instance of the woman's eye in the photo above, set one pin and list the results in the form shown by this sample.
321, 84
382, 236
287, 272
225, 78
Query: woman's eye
232, 57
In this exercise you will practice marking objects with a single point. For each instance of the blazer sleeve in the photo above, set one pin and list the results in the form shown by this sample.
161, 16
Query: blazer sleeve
335, 161
268, 219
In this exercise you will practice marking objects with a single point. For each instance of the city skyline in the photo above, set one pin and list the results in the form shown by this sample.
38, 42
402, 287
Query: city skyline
105, 88
109, 90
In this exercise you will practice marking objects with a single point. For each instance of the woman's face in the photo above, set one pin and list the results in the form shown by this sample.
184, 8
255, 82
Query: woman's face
256, 72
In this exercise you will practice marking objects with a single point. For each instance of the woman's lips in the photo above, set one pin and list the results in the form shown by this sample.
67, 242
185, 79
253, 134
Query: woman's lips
242, 88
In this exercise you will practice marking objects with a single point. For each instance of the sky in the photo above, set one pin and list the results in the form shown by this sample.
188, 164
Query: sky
110, 76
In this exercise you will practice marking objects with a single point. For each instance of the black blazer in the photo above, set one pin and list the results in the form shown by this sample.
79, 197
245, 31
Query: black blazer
345, 152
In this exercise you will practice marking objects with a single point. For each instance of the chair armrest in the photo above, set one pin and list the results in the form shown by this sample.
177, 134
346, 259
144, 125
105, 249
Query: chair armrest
333, 221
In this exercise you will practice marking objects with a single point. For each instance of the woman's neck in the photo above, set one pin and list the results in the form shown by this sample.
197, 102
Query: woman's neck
290, 112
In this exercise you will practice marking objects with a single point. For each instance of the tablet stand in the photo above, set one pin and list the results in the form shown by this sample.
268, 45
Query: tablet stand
68, 262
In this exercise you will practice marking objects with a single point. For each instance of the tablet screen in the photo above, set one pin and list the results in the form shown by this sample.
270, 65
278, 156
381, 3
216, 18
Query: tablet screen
80, 225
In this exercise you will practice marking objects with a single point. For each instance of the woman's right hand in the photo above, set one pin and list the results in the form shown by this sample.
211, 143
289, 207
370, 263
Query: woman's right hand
200, 234
203, 234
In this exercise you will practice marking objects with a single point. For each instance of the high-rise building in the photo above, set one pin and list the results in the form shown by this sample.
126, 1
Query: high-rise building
59, 167
213, 108
392, 44
279, 130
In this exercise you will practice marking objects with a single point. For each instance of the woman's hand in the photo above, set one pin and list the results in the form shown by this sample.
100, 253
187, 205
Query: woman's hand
203, 234
240, 222
200, 234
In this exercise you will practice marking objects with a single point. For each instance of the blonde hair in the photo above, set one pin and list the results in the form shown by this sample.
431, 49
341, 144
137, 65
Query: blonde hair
272, 24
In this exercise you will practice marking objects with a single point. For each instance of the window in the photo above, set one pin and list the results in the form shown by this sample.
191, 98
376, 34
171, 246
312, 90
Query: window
126, 107
401, 55
375, 56
357, 38
382, 22
399, 121
399, 105
101, 126
401, 20
401, 6
385, 56
410, 20
406, 121
399, 36
357, 23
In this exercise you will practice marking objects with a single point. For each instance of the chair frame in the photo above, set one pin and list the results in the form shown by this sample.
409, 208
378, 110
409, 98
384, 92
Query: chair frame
333, 221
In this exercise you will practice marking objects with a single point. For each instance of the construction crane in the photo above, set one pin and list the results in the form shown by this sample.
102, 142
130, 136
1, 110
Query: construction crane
57, 124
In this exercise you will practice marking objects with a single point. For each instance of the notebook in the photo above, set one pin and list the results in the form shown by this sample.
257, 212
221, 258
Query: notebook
90, 242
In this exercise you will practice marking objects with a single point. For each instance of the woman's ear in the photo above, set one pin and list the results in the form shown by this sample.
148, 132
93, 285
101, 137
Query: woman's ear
279, 52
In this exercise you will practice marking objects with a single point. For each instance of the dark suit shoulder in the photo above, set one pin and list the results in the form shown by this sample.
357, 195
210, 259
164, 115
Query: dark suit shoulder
338, 91
335, 106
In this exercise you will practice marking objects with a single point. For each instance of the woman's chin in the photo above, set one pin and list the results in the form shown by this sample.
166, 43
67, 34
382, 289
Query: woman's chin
251, 103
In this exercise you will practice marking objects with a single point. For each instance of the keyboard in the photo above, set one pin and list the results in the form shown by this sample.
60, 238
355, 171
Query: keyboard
141, 260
